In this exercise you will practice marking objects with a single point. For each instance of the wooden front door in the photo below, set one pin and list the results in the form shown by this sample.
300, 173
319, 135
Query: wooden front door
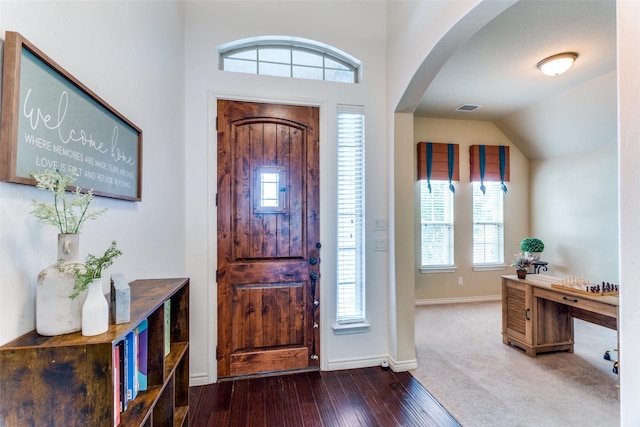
268, 238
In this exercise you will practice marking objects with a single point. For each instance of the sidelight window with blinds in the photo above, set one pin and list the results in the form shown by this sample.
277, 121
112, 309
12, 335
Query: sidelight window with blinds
350, 198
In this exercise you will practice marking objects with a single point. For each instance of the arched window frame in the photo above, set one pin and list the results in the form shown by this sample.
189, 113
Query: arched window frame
293, 44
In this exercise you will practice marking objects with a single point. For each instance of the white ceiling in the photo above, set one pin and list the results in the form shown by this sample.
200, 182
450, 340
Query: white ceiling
544, 116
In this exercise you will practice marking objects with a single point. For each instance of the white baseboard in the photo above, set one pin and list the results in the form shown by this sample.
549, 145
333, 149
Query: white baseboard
199, 379
458, 300
396, 366
336, 365
364, 362
402, 366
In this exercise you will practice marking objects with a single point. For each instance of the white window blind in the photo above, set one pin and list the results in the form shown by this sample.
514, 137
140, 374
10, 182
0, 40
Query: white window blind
351, 250
488, 224
436, 218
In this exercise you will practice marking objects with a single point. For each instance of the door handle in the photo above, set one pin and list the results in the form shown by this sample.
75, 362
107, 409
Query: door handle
526, 314
314, 278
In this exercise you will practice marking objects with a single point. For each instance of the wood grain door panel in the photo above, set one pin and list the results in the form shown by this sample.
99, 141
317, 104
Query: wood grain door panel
268, 231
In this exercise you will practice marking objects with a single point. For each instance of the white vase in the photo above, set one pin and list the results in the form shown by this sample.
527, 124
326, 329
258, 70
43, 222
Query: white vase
533, 256
56, 312
95, 310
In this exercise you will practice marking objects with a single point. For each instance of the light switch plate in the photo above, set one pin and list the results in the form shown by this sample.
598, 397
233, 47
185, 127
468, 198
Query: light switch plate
381, 224
380, 245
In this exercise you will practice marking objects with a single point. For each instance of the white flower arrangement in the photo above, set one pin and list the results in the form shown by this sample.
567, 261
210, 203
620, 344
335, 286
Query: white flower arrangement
67, 215
521, 262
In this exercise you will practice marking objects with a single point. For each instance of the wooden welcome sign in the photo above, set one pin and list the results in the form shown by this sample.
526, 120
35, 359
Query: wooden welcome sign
52, 121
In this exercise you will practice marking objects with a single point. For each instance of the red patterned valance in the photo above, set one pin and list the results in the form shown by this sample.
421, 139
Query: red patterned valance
492, 163
439, 161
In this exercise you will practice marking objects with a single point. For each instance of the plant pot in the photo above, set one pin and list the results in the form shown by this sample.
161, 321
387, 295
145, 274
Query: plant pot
522, 274
95, 310
56, 313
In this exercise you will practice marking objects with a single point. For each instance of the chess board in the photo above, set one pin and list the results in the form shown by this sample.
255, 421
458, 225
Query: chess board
584, 292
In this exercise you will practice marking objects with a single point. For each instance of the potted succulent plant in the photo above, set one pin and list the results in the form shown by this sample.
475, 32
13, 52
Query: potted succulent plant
521, 262
532, 247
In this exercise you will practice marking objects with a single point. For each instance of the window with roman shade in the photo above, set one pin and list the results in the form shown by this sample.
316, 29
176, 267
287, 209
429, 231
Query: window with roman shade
438, 161
438, 167
489, 163
489, 170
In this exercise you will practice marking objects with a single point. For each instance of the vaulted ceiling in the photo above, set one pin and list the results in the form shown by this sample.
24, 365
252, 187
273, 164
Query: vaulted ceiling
544, 116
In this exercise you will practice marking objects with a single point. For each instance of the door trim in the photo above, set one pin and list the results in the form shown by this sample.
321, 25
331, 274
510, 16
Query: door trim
212, 216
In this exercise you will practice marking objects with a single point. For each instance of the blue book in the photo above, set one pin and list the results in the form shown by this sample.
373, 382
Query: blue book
143, 340
130, 362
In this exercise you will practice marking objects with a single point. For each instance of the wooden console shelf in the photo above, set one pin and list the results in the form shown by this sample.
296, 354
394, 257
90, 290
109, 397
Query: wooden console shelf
68, 380
538, 317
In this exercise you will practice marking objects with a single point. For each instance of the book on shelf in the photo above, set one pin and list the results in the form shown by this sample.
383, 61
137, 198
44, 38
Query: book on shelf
122, 377
116, 385
130, 362
125, 370
167, 327
132, 357
143, 342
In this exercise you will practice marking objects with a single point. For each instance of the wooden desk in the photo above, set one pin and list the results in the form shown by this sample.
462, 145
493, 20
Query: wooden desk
539, 318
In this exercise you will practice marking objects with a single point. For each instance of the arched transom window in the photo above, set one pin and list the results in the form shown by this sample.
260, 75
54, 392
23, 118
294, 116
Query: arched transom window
289, 57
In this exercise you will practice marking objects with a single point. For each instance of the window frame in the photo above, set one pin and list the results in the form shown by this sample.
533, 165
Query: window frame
438, 188
350, 199
278, 203
493, 188
292, 44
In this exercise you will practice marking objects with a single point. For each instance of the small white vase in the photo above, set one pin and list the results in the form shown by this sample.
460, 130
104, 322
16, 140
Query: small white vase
95, 311
533, 256
56, 313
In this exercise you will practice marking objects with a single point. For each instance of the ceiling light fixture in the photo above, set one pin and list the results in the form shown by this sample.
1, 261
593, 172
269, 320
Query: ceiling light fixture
557, 64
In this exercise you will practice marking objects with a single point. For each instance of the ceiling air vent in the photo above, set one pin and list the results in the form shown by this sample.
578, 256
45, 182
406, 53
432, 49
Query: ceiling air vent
467, 107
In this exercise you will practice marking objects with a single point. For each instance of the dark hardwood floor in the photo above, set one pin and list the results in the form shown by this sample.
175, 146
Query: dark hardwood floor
358, 397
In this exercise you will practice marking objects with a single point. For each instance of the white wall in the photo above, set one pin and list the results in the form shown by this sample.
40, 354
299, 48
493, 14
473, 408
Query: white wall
130, 54
574, 210
628, 15
213, 23
402, 280
567, 122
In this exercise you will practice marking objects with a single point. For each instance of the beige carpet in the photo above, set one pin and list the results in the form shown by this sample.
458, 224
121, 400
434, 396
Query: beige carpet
482, 382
